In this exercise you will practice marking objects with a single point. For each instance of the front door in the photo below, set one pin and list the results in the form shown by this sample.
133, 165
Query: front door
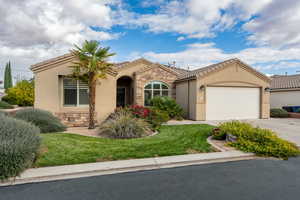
121, 97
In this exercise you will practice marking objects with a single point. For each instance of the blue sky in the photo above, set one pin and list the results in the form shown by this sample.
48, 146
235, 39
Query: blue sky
262, 33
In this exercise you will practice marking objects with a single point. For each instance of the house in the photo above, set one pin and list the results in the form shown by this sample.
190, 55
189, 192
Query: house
285, 91
227, 90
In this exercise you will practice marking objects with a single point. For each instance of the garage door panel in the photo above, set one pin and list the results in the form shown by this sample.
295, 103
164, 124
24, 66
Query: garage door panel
224, 103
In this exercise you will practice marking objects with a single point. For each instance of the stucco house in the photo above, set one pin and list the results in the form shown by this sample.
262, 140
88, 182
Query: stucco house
285, 90
227, 90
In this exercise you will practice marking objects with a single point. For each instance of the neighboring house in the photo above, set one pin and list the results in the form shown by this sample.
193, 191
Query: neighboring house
227, 90
285, 91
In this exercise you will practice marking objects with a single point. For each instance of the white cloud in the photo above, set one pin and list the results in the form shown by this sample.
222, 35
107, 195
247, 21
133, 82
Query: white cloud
34, 30
277, 25
180, 38
198, 19
202, 54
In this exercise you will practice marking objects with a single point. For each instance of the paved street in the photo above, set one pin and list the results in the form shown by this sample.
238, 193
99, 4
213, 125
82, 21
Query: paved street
242, 180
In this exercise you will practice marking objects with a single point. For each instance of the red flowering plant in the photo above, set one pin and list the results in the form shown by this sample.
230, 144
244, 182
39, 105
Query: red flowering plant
140, 111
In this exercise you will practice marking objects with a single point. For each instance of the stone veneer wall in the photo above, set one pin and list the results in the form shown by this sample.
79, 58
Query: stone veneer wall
155, 74
74, 118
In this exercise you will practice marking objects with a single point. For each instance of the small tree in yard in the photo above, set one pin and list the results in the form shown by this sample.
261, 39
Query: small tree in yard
7, 76
91, 66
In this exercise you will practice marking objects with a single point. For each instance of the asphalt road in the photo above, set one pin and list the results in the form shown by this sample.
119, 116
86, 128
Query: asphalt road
242, 180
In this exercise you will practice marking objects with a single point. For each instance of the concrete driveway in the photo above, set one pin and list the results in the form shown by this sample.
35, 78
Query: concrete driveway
287, 128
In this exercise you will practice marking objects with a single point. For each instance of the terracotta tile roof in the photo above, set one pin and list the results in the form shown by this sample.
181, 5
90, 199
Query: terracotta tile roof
178, 69
118, 66
285, 81
205, 70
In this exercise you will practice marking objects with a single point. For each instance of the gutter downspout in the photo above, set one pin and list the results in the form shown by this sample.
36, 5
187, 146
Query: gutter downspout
188, 100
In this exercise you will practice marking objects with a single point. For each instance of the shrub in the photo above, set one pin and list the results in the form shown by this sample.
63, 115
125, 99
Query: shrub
260, 141
157, 117
152, 115
168, 105
19, 144
124, 125
22, 94
217, 134
139, 111
278, 112
5, 105
45, 120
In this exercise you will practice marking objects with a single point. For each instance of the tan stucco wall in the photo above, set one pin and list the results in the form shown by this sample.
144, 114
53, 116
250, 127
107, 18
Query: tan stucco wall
235, 76
182, 95
285, 98
49, 92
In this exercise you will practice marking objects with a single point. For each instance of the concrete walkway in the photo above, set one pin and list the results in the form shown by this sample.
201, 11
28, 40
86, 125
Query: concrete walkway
113, 167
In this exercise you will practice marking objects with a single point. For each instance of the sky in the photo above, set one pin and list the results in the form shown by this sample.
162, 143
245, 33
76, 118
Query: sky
192, 33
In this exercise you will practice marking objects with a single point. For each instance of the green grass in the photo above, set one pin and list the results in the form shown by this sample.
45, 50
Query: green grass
65, 149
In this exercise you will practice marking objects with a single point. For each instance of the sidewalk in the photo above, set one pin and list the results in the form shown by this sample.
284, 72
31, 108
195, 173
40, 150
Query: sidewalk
113, 167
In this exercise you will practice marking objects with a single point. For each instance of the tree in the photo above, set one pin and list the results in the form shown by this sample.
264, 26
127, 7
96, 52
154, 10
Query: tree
7, 77
21, 94
91, 66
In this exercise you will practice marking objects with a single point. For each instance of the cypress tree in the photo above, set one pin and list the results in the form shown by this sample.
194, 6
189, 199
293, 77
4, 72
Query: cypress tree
7, 76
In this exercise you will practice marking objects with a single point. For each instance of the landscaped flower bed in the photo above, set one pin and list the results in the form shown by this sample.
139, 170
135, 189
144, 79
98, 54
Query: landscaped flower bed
247, 138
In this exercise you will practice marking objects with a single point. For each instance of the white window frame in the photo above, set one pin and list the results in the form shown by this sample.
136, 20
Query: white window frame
152, 89
77, 95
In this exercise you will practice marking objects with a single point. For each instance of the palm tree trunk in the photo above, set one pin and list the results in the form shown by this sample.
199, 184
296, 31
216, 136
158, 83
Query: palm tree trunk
92, 96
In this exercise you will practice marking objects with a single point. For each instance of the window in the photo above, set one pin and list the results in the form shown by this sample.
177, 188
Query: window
75, 92
155, 88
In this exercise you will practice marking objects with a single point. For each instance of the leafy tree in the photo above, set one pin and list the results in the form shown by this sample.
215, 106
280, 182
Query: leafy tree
91, 66
22, 94
7, 77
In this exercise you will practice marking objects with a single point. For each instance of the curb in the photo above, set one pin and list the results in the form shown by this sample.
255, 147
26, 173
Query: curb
113, 167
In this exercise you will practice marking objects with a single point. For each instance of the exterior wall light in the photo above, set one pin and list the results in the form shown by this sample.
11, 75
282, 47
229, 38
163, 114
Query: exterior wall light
267, 89
202, 87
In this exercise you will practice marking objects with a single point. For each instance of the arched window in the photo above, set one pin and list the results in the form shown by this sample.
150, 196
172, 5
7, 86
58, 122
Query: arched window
155, 88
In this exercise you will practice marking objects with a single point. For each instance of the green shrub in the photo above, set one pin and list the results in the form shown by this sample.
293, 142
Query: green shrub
124, 125
217, 134
157, 117
45, 120
168, 105
263, 142
19, 144
5, 105
278, 113
22, 94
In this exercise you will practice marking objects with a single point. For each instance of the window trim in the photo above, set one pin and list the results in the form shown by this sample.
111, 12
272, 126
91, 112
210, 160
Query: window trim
77, 95
152, 89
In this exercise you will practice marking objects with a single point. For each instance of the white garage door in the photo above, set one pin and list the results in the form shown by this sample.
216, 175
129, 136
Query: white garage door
224, 103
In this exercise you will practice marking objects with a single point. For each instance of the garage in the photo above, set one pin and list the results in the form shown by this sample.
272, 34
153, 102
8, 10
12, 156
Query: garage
225, 103
230, 90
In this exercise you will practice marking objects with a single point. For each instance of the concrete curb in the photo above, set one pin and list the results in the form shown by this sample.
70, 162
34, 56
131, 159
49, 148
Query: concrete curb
113, 167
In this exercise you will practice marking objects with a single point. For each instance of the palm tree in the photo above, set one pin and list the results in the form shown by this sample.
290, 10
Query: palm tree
91, 66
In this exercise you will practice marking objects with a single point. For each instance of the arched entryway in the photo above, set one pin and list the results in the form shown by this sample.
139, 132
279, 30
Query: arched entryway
124, 91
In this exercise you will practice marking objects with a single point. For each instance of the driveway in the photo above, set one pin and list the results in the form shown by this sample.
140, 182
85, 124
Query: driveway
242, 180
286, 128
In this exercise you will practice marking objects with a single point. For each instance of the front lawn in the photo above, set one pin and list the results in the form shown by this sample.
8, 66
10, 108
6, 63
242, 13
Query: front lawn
65, 149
